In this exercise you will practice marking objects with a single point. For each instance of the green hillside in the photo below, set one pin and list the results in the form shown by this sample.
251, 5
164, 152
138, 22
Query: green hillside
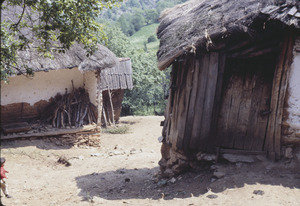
138, 38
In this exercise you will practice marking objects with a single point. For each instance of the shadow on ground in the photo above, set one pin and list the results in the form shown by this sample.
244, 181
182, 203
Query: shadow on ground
142, 183
50, 143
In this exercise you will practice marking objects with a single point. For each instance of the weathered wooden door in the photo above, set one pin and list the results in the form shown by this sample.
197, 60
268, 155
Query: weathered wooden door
245, 103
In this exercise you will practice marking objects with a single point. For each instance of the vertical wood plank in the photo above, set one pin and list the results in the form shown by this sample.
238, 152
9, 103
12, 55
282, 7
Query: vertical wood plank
168, 111
174, 114
282, 92
254, 114
185, 91
262, 119
203, 71
273, 136
191, 107
236, 97
208, 105
244, 112
213, 140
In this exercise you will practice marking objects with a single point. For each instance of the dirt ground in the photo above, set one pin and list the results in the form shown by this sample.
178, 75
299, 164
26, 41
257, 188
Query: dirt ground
124, 171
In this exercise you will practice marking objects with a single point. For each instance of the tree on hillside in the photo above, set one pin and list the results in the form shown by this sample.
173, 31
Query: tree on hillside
138, 20
151, 16
126, 25
48, 26
117, 41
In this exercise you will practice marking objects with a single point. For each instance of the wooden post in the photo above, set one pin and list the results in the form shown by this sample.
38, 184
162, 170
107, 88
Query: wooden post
112, 107
104, 117
111, 103
273, 137
99, 101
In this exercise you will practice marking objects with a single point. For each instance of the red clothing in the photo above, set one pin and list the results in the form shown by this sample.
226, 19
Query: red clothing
3, 171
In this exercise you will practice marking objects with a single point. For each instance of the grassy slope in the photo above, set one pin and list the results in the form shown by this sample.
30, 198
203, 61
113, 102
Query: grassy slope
142, 35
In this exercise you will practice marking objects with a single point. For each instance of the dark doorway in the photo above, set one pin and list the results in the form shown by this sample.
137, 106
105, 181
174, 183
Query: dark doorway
245, 104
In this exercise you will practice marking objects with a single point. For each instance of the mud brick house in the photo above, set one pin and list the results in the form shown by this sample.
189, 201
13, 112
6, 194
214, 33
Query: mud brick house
235, 79
64, 93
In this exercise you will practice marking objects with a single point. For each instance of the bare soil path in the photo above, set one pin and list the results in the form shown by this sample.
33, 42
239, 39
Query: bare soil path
124, 171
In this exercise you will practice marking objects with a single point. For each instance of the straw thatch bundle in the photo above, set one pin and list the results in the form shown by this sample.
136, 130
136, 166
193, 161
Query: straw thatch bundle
76, 56
199, 23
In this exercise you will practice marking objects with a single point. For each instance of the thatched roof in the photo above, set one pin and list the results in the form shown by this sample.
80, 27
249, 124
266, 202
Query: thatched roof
118, 77
198, 23
74, 57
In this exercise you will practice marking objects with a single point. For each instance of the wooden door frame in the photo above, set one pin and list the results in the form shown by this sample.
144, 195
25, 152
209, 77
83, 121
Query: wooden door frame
279, 87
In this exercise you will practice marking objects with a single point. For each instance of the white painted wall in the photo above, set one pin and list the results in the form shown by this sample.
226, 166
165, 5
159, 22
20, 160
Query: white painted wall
90, 81
45, 85
294, 90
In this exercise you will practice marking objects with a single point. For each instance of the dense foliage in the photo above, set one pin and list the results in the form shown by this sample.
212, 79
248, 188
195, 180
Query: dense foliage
150, 84
138, 20
133, 34
134, 14
54, 24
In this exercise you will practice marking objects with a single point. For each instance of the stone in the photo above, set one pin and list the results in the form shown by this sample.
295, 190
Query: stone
160, 139
95, 155
288, 153
258, 192
165, 151
162, 182
173, 157
181, 166
212, 196
181, 156
206, 157
214, 167
162, 163
168, 173
234, 158
219, 174
213, 179
172, 180
297, 154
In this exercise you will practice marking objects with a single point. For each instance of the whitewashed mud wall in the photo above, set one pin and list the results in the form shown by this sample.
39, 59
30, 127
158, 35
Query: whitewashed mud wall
291, 124
90, 82
42, 86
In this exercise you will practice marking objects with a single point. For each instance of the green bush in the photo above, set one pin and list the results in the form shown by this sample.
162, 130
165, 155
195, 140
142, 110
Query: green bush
151, 39
124, 129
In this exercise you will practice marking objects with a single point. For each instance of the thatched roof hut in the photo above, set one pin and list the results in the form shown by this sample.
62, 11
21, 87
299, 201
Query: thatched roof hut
231, 64
65, 90
202, 24
75, 57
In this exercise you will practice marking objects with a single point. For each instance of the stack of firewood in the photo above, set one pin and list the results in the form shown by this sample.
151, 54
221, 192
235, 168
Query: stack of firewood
73, 109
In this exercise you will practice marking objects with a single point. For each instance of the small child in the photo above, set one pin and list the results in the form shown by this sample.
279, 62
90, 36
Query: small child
3, 183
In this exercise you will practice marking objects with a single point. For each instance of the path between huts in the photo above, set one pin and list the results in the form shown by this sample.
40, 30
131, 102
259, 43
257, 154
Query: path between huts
124, 171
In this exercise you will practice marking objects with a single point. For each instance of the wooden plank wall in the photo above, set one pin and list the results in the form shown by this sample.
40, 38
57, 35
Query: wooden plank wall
202, 114
192, 100
245, 105
273, 138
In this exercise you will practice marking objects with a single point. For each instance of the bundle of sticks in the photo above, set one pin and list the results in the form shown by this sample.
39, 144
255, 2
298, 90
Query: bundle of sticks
73, 109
